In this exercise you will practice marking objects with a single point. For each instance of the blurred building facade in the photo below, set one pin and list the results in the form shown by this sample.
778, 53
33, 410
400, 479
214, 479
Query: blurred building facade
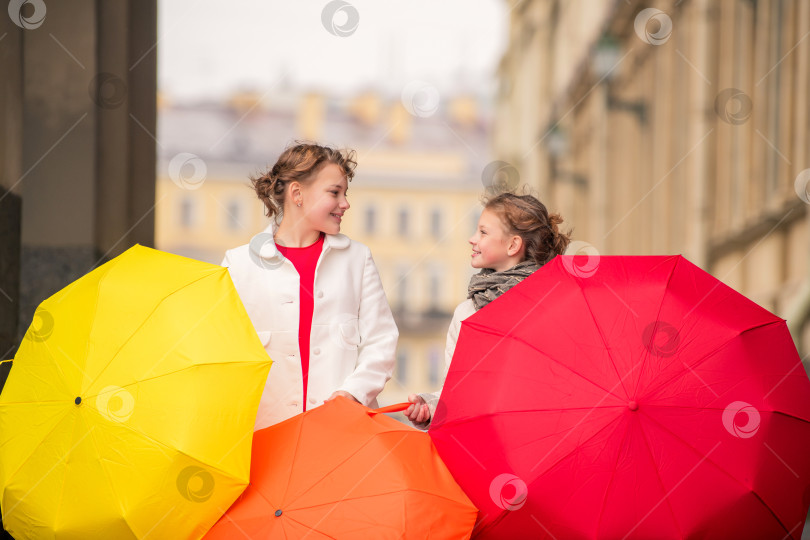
671, 126
415, 198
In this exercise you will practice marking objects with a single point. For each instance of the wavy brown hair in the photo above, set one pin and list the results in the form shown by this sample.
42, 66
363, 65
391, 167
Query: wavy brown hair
528, 218
299, 162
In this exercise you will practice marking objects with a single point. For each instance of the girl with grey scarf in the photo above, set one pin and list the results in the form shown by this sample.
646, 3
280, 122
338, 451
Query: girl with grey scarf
515, 236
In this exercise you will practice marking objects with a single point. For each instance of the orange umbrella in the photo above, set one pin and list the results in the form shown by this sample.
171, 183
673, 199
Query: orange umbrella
344, 471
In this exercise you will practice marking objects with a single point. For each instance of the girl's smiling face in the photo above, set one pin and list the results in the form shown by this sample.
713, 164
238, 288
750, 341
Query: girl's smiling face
324, 199
491, 245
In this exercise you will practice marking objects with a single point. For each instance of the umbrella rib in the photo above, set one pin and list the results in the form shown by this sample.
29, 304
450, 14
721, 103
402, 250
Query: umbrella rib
59, 365
315, 483
112, 486
336, 467
143, 322
604, 342
392, 492
491, 331
62, 487
259, 493
660, 482
184, 368
22, 362
706, 356
33, 450
501, 516
610, 483
164, 445
717, 408
769, 509
701, 408
295, 457
527, 443
3, 404
695, 450
292, 465
404, 490
457, 421
311, 528
600, 430
719, 468
646, 354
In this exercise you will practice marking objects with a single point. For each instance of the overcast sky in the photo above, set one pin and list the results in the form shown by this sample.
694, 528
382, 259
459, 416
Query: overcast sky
208, 48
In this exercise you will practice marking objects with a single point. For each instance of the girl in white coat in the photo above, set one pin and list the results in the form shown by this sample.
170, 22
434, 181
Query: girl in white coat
313, 295
515, 237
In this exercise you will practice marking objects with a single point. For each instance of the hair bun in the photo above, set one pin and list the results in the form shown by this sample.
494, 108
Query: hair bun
553, 221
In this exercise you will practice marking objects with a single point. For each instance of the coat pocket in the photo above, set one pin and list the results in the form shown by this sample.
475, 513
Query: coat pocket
264, 337
345, 332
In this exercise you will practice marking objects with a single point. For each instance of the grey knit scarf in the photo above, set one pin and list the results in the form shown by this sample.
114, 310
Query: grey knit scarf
487, 285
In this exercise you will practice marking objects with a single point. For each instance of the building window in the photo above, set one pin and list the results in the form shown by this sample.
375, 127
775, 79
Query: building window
434, 365
402, 222
234, 216
371, 220
436, 223
187, 211
402, 287
435, 288
402, 367
476, 215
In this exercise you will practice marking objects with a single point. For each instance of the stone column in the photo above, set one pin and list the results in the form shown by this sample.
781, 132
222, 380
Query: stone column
11, 66
88, 142
11, 87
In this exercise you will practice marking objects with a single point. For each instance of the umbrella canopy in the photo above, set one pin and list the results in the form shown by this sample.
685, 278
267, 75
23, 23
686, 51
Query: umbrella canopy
634, 397
344, 471
130, 407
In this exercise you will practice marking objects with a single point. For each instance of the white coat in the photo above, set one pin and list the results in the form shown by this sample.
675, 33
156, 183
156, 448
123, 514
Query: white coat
353, 338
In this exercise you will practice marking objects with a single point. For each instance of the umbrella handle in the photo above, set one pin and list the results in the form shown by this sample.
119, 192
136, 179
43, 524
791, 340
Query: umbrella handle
392, 408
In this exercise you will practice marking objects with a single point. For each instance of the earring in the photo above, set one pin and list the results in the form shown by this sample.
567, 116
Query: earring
299, 204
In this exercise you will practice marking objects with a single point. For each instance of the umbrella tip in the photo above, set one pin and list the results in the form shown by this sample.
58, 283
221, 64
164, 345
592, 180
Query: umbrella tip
78, 400
633, 406
278, 513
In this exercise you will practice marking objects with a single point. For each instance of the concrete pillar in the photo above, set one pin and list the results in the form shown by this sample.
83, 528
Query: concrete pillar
88, 142
10, 197
11, 88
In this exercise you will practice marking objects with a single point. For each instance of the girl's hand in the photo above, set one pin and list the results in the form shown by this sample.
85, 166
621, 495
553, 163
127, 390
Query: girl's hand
343, 393
419, 411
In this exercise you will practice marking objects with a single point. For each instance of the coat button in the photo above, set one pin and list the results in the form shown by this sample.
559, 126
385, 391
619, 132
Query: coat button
320, 294
316, 350
294, 403
312, 400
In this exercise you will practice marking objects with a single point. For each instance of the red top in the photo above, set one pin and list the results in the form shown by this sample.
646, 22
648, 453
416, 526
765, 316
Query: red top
305, 260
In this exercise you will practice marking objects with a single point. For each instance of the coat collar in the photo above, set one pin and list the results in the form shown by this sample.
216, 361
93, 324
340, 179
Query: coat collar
264, 246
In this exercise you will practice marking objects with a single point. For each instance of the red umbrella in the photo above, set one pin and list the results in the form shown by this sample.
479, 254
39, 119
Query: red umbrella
637, 398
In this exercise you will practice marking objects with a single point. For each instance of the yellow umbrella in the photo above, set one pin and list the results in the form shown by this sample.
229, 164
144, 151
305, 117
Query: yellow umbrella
129, 409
